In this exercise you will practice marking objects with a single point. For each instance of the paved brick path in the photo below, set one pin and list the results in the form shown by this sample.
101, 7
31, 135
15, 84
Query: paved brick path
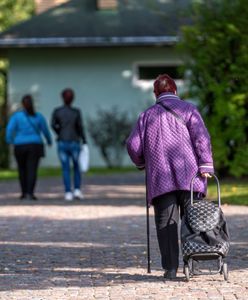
95, 249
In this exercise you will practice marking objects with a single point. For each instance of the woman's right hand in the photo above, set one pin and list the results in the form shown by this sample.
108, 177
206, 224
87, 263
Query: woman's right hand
206, 175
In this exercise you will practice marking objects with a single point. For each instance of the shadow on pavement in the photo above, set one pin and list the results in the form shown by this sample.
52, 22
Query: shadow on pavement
100, 240
37, 253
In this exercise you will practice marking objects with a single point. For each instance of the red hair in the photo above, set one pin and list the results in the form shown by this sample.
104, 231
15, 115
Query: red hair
164, 83
68, 96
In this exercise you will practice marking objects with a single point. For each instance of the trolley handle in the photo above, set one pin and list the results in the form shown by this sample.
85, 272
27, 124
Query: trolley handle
192, 187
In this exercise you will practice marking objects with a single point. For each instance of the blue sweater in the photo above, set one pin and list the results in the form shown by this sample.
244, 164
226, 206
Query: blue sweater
20, 130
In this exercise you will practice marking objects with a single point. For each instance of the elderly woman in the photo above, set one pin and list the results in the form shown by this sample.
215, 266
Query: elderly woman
171, 142
25, 130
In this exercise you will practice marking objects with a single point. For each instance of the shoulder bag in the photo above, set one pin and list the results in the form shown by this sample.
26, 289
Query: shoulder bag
40, 147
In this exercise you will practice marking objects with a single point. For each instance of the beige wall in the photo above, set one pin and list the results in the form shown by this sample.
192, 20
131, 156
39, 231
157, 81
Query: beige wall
43, 5
107, 4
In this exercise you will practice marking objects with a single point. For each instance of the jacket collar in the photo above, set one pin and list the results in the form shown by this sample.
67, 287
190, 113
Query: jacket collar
165, 96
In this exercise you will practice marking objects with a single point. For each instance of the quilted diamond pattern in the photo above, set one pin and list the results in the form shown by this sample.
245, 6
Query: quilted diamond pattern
171, 152
204, 230
190, 247
203, 216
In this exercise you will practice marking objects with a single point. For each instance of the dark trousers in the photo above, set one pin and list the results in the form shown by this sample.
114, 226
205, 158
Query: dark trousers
27, 158
167, 208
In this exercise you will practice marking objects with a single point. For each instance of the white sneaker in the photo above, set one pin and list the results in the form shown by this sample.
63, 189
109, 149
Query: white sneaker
68, 196
78, 194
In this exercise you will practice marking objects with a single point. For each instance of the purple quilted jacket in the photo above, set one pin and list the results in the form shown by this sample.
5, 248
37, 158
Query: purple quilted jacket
171, 151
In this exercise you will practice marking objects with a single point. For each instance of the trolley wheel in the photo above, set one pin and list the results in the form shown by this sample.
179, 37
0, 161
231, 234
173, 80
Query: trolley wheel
186, 272
225, 271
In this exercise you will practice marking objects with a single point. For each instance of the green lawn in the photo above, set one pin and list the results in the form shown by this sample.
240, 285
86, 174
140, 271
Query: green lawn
43, 172
55, 172
233, 191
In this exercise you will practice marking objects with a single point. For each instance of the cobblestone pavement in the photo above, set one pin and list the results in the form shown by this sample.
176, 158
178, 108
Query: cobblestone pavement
96, 248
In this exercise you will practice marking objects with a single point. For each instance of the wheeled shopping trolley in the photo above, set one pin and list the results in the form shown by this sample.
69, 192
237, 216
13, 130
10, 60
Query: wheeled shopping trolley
204, 235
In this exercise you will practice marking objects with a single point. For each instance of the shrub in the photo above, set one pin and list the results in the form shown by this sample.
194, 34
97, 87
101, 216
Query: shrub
109, 130
217, 48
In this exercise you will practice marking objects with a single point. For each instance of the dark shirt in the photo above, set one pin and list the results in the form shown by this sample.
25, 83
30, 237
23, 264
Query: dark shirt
68, 125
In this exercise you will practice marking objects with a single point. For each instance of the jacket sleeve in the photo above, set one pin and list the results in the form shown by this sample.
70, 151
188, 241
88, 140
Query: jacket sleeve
10, 130
54, 123
80, 128
135, 144
45, 130
201, 142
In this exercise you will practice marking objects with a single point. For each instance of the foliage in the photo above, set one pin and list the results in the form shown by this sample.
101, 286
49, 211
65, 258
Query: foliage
4, 153
109, 131
217, 48
14, 11
11, 12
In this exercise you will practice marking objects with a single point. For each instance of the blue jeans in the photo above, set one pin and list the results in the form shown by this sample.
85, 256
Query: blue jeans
67, 151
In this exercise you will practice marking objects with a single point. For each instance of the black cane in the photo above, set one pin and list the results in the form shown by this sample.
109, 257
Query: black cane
148, 231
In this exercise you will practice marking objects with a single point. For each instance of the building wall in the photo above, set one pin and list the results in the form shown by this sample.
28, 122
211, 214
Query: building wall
43, 5
101, 78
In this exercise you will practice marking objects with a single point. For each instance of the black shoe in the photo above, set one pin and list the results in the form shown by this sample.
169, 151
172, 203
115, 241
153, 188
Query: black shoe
22, 197
31, 197
170, 274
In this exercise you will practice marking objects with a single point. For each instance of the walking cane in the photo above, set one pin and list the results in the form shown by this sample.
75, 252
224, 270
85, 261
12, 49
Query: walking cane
148, 231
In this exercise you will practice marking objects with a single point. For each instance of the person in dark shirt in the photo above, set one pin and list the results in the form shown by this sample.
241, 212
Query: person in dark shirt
67, 124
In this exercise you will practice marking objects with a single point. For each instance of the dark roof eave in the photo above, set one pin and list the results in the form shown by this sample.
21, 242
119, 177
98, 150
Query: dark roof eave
87, 41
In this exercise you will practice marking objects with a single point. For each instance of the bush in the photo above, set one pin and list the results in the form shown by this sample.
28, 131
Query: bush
217, 48
4, 153
109, 130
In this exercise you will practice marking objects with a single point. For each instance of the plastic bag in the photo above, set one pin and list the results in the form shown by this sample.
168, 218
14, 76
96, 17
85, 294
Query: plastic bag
84, 158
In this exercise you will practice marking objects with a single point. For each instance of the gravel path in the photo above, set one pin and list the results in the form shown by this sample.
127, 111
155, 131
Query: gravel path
96, 248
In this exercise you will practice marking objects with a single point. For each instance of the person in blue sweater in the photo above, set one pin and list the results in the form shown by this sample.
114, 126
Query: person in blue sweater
24, 130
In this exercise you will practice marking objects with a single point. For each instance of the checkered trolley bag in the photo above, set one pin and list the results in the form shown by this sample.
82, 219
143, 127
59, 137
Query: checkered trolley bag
204, 234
